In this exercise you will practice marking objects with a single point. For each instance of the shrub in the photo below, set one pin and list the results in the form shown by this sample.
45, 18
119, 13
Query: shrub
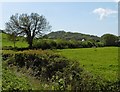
100, 44
44, 44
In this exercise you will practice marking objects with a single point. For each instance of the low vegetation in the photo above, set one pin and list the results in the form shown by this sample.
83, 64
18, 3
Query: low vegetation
12, 82
52, 70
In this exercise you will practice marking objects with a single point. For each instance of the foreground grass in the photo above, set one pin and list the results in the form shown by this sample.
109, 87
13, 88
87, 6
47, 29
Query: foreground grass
101, 62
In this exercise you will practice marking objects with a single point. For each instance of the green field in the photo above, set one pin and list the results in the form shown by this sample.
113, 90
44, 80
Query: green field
6, 42
101, 62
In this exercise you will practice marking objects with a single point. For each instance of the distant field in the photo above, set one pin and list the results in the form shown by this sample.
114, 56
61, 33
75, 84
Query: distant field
5, 42
99, 61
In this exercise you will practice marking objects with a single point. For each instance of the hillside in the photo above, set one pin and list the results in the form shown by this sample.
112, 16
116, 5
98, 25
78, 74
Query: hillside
71, 35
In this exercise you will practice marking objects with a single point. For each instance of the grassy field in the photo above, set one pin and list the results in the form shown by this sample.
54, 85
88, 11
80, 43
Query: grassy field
99, 61
5, 42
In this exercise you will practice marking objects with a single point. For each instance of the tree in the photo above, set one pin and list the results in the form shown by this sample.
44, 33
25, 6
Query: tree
30, 26
12, 37
109, 39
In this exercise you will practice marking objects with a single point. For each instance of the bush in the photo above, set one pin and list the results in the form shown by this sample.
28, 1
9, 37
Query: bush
44, 44
61, 44
109, 39
64, 44
100, 44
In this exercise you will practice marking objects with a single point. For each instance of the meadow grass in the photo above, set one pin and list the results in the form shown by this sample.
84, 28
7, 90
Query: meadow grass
6, 42
101, 62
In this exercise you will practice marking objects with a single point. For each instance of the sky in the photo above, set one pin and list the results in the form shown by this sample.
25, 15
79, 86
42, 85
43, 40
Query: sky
95, 18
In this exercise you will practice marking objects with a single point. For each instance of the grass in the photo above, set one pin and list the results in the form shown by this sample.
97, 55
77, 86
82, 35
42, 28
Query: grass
34, 83
101, 62
20, 44
10, 81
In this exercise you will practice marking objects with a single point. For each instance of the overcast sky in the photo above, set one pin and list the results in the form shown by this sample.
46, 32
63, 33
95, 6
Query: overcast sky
95, 18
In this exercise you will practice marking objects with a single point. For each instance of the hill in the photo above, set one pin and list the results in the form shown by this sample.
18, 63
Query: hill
71, 35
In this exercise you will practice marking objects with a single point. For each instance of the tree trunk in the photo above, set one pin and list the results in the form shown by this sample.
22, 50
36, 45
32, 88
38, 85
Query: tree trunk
30, 44
30, 40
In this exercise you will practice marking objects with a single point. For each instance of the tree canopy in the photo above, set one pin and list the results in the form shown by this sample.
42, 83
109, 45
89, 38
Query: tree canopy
109, 39
30, 26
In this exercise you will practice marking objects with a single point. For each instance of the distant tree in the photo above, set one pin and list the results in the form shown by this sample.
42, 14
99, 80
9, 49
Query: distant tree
12, 37
109, 39
31, 26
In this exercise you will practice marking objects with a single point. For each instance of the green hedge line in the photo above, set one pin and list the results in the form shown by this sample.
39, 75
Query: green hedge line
62, 44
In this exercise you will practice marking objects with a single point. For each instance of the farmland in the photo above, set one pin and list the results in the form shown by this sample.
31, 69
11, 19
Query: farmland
98, 67
101, 62
6, 42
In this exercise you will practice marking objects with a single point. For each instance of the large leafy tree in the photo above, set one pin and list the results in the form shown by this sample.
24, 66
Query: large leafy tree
109, 39
30, 26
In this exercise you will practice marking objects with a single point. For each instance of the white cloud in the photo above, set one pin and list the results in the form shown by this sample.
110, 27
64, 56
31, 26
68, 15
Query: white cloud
104, 12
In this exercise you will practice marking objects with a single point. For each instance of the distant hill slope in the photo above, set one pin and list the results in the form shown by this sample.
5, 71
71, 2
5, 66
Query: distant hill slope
71, 35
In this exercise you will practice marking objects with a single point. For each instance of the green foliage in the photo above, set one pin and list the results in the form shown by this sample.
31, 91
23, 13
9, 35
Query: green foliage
48, 66
71, 36
100, 44
109, 39
44, 44
12, 82
62, 44
58, 72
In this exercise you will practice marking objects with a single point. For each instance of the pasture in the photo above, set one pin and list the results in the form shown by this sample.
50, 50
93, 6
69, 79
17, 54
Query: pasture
101, 62
20, 43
